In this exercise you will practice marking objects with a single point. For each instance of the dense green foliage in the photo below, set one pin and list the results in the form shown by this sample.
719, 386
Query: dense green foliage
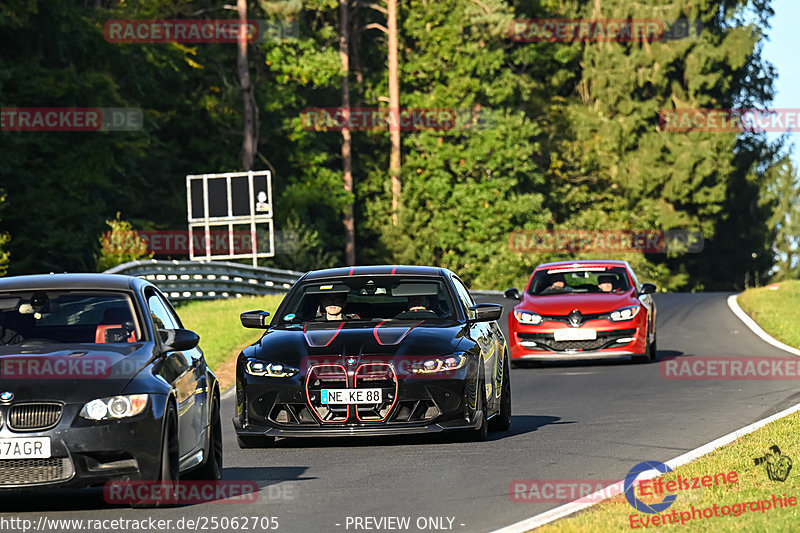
551, 134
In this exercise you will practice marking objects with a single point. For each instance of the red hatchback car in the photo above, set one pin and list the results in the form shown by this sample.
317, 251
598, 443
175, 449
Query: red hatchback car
583, 310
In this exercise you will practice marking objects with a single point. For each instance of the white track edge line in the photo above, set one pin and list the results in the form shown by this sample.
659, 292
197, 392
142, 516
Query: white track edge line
609, 491
616, 488
755, 328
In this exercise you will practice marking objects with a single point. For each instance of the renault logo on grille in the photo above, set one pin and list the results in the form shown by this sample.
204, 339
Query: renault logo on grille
6, 396
575, 318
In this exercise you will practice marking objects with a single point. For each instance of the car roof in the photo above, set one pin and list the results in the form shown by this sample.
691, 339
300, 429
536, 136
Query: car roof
583, 263
70, 281
376, 270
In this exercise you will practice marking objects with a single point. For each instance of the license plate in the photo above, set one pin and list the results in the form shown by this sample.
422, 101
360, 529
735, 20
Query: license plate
575, 334
351, 396
21, 448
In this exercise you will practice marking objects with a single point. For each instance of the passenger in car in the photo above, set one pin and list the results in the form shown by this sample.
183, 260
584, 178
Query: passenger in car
8, 335
605, 282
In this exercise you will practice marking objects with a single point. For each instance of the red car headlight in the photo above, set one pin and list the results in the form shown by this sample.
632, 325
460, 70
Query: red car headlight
624, 313
528, 318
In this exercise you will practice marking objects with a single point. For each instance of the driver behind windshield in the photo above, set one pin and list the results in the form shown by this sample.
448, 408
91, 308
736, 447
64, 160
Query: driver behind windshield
605, 282
332, 306
555, 283
418, 306
8, 335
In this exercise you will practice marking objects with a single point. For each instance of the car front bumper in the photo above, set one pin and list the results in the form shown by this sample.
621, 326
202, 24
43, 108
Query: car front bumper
85, 453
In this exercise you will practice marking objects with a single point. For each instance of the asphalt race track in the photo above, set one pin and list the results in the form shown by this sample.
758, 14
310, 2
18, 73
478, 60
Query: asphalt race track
584, 420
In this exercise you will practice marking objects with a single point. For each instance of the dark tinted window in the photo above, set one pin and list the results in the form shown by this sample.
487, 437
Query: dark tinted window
68, 317
579, 281
374, 298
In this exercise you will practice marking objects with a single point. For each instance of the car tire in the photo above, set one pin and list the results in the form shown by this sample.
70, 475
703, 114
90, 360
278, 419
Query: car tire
480, 434
502, 420
257, 441
169, 470
649, 354
212, 469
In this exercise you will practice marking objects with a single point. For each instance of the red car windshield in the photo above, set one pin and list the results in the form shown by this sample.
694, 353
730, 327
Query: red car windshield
600, 280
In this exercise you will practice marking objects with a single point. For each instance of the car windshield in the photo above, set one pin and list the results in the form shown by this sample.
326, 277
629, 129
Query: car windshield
67, 317
600, 280
370, 299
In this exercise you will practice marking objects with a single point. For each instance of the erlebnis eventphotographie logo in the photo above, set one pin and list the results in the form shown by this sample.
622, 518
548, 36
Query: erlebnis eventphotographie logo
775, 463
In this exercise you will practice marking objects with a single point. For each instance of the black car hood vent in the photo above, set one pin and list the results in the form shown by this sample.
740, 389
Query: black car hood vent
385, 333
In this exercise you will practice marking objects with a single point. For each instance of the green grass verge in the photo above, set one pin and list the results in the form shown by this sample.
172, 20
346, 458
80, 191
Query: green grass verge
222, 335
753, 484
775, 310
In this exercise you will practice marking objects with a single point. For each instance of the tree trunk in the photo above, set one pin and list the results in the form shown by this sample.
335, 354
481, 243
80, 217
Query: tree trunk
347, 156
248, 112
394, 108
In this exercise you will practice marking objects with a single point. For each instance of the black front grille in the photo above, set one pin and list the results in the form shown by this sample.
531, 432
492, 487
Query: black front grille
582, 318
605, 339
34, 416
327, 376
15, 472
376, 375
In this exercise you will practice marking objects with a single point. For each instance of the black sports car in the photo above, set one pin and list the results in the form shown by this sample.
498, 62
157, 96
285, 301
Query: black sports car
373, 350
99, 381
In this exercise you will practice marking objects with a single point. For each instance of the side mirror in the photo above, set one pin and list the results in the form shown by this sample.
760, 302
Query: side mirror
512, 294
178, 339
648, 288
254, 319
486, 312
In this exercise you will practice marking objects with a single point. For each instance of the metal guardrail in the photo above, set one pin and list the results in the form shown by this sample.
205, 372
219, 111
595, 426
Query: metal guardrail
193, 280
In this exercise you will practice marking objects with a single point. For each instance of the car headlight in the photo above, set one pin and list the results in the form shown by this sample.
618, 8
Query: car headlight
436, 364
625, 313
528, 317
270, 370
114, 407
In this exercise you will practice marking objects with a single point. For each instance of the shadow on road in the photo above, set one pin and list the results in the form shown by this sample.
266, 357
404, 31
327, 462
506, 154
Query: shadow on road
521, 424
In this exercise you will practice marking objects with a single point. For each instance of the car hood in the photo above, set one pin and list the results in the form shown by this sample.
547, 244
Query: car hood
70, 372
291, 344
588, 303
